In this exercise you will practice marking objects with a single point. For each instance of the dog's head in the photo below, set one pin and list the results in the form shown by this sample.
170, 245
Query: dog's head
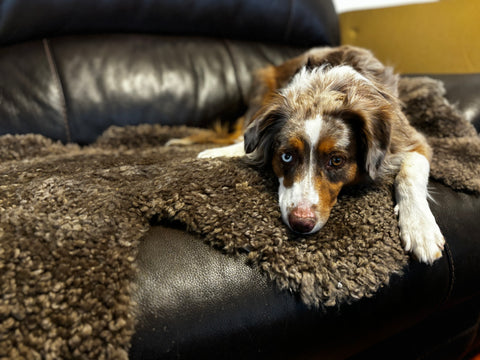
327, 128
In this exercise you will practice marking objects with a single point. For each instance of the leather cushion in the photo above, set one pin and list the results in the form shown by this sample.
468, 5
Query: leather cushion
73, 88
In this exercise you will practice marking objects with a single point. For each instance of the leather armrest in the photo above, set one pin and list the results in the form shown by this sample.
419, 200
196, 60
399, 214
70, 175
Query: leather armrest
195, 302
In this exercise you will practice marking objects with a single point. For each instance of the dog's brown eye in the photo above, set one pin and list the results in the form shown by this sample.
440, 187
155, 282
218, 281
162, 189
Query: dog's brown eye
336, 161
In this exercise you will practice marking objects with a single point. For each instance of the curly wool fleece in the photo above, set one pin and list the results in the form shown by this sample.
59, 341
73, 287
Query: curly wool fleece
71, 219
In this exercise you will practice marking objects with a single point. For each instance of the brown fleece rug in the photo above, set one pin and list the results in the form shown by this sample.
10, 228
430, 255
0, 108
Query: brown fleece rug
71, 219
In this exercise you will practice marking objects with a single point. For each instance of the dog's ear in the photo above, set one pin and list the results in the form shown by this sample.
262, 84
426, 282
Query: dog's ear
260, 135
373, 137
251, 137
377, 132
264, 122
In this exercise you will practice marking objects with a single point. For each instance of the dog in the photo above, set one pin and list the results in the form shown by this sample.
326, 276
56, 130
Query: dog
331, 118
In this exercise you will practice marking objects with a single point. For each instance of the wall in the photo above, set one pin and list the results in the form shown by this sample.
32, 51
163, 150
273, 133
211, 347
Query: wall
439, 37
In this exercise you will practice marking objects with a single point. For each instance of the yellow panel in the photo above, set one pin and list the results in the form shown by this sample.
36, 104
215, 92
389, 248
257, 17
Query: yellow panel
441, 37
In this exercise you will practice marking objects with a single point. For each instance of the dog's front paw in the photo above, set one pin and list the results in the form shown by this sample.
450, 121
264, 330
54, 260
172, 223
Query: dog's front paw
179, 142
420, 234
209, 154
234, 150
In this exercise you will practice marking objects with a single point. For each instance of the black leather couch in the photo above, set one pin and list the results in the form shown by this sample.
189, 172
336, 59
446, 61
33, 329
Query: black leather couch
70, 69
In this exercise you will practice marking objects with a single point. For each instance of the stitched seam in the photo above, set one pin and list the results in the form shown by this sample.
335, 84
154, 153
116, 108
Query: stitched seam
235, 70
58, 82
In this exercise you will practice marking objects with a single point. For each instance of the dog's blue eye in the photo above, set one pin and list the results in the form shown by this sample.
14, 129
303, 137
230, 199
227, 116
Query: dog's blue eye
286, 157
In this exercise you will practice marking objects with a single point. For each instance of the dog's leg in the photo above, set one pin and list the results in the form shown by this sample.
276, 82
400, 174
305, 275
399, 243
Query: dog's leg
235, 150
418, 229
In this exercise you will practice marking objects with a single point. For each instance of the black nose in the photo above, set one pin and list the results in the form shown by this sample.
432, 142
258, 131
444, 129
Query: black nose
301, 225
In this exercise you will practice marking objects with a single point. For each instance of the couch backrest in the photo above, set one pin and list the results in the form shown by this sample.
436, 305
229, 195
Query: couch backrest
71, 68
291, 22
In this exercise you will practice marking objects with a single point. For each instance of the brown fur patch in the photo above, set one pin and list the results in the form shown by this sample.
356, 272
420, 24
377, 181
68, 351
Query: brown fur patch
328, 193
277, 166
219, 134
424, 150
297, 144
290, 172
269, 77
353, 174
275, 77
327, 145
289, 180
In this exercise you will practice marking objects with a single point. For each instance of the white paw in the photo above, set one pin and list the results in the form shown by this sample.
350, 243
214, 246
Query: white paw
209, 154
420, 233
234, 150
178, 142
